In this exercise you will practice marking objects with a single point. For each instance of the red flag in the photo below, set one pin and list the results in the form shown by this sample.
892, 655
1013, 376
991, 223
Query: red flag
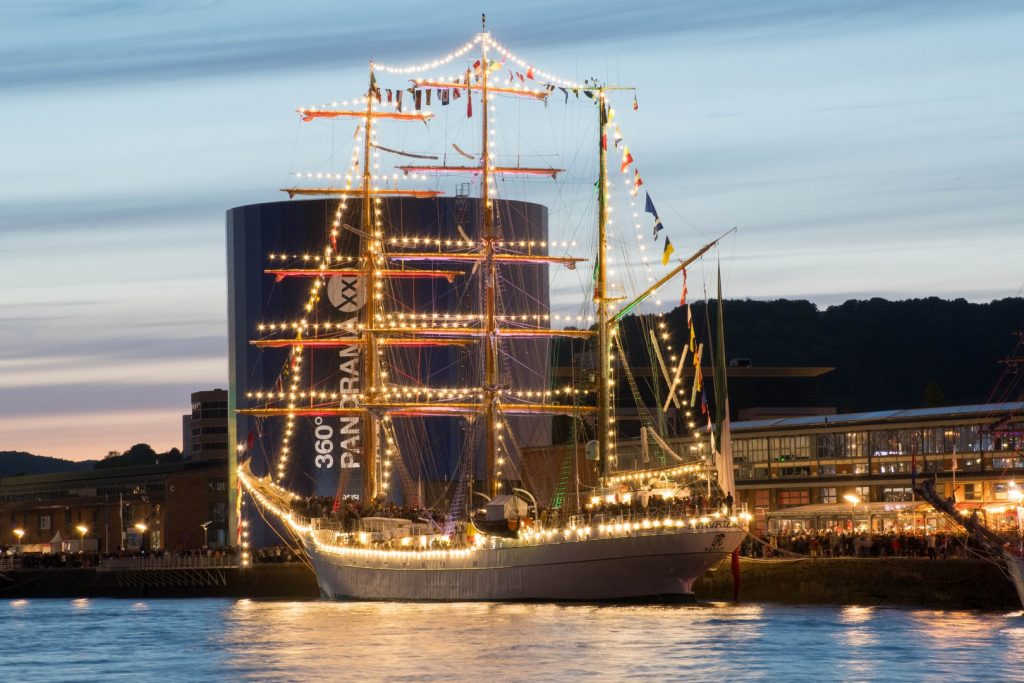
529, 73
635, 105
637, 181
627, 159
682, 301
469, 98
250, 440
521, 77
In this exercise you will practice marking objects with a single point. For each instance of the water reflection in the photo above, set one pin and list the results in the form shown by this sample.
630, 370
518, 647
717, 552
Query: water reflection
299, 641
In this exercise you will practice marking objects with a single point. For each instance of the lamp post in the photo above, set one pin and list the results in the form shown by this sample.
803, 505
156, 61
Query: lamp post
205, 526
141, 527
19, 533
82, 531
852, 499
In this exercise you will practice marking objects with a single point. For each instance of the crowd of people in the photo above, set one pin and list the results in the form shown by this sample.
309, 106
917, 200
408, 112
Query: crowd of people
349, 512
91, 558
842, 543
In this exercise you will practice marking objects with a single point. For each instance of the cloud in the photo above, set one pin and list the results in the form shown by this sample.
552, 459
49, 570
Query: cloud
218, 39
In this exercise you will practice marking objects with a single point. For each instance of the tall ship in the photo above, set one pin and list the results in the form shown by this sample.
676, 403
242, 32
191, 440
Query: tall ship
403, 287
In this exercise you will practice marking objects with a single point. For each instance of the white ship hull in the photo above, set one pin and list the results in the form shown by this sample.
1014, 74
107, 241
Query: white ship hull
1015, 565
654, 563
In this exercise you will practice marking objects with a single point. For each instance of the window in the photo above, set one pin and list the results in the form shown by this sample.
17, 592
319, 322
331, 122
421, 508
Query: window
828, 495
217, 484
909, 440
750, 450
784, 448
972, 492
762, 498
897, 494
968, 439
219, 512
803, 471
855, 445
826, 446
864, 493
788, 499
1007, 463
44, 522
884, 442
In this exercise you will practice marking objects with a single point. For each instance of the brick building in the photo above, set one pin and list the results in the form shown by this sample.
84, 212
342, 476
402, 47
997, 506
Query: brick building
172, 502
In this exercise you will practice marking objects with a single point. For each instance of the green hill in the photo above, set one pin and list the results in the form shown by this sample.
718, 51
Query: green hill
15, 463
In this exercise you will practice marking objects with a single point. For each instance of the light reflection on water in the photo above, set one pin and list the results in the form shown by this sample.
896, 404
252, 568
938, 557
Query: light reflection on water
109, 639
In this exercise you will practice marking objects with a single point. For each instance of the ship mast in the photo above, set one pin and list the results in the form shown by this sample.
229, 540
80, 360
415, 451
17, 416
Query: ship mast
490, 275
604, 389
370, 241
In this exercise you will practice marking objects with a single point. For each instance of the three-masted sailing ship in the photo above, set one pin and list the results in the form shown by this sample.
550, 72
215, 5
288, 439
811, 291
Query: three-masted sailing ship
613, 548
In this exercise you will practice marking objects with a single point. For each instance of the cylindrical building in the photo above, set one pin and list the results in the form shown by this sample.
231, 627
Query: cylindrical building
432, 449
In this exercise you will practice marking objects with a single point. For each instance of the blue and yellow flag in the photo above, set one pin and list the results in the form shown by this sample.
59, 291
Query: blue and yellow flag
649, 208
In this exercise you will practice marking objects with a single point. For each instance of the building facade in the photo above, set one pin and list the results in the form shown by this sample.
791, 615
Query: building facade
974, 452
174, 507
206, 427
293, 229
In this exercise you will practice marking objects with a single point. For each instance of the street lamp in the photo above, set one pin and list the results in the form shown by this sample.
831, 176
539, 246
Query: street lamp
141, 528
20, 533
82, 530
852, 499
205, 526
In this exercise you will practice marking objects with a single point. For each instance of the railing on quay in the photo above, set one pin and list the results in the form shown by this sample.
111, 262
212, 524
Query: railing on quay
169, 562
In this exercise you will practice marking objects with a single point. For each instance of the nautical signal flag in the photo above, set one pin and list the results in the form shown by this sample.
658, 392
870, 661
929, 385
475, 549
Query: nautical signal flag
636, 105
627, 159
667, 252
637, 181
682, 300
649, 208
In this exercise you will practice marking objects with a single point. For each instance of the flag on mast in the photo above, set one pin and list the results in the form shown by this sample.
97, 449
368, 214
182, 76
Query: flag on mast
667, 252
627, 159
649, 208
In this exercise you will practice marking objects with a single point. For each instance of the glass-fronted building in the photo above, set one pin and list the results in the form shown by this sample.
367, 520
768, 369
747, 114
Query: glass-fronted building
974, 452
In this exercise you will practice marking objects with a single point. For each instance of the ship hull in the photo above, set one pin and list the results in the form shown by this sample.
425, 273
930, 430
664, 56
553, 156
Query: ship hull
1015, 565
633, 567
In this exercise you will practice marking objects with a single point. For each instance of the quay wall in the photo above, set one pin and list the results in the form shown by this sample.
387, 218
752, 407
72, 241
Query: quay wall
910, 582
294, 581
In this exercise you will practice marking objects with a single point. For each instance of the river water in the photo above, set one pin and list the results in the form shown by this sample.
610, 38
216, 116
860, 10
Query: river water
212, 639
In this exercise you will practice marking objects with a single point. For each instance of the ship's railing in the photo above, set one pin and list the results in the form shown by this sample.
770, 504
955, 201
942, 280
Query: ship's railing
169, 562
325, 524
650, 515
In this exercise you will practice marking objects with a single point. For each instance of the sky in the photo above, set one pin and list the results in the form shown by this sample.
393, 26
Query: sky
863, 148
